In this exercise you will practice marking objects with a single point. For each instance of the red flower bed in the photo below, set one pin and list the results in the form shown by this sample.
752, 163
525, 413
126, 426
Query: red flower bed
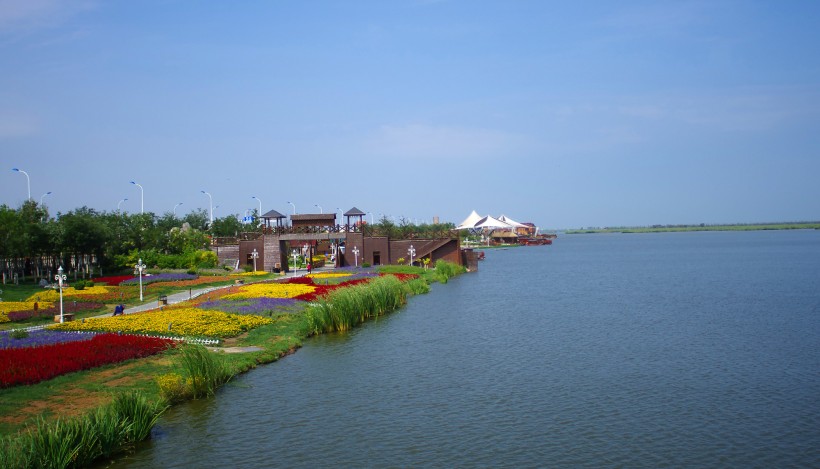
322, 290
401, 277
113, 280
32, 365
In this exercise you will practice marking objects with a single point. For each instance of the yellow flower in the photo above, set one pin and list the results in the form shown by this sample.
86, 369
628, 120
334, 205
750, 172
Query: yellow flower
331, 275
9, 306
173, 321
270, 290
247, 274
54, 295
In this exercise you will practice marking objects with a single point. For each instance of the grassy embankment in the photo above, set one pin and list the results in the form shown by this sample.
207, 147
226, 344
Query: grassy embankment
45, 411
681, 228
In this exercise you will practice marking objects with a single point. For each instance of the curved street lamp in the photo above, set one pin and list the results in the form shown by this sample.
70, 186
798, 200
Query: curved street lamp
320, 208
260, 204
43, 196
294, 207
60, 278
175, 208
28, 180
120, 203
211, 201
142, 197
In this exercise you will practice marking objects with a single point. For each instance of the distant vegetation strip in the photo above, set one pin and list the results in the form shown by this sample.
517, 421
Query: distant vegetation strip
701, 227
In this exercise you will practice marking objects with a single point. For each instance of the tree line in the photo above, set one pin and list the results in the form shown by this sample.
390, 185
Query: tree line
84, 240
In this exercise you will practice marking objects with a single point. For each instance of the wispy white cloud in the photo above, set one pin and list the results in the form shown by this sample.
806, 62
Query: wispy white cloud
414, 141
21, 15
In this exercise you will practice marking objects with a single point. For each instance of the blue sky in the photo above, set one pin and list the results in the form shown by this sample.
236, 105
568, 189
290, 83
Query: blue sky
564, 114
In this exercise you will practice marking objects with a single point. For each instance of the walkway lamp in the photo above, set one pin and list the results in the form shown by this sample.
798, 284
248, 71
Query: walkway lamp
356, 255
140, 269
60, 278
412, 252
211, 205
28, 180
254, 255
295, 265
142, 197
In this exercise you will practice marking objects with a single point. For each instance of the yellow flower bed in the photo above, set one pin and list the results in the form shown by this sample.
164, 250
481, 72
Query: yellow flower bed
331, 275
270, 290
248, 274
54, 295
182, 322
9, 306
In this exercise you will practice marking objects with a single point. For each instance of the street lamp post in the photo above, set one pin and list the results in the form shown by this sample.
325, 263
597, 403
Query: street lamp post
295, 255
254, 255
43, 196
412, 252
60, 278
371, 218
320, 208
294, 207
341, 216
356, 255
28, 180
260, 205
142, 197
120, 202
140, 268
175, 208
211, 202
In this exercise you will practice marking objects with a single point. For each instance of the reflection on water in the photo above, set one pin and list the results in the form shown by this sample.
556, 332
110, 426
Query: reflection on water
679, 349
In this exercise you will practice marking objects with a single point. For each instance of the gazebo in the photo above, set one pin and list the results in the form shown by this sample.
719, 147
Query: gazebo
273, 215
352, 213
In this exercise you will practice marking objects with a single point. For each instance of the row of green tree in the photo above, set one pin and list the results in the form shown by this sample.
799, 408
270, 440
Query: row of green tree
30, 236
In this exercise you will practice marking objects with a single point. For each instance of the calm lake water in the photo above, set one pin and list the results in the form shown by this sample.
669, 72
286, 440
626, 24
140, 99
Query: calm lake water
641, 350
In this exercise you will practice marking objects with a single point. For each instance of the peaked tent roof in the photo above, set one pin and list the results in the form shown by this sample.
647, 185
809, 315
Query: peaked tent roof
470, 221
273, 214
354, 212
510, 221
490, 222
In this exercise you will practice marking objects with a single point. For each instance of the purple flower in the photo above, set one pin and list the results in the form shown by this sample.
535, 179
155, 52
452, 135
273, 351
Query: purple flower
41, 337
259, 306
167, 277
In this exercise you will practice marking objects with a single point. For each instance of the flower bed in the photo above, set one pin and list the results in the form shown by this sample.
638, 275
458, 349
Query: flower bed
260, 306
113, 280
167, 277
174, 321
250, 274
330, 275
51, 310
193, 283
40, 338
32, 365
96, 293
271, 290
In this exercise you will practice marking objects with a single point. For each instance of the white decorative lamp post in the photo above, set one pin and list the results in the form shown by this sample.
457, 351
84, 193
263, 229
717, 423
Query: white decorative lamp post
140, 269
28, 180
295, 265
60, 278
142, 197
254, 255
356, 255
412, 252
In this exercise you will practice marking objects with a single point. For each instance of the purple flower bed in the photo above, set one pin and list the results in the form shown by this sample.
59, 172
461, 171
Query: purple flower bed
259, 306
68, 307
149, 279
41, 337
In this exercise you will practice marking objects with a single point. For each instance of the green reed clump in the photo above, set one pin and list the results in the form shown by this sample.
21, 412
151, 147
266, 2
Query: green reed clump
77, 442
446, 270
417, 286
206, 371
342, 309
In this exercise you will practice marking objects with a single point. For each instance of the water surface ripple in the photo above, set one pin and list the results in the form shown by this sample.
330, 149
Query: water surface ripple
650, 350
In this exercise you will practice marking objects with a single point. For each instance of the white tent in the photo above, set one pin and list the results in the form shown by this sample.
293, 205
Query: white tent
511, 222
491, 222
470, 222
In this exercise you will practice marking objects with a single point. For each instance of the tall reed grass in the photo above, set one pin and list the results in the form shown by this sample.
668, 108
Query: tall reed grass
446, 270
77, 442
342, 309
206, 370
